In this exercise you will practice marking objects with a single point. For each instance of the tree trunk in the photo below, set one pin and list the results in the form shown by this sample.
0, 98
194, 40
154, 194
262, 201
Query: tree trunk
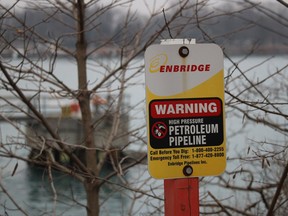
92, 191
91, 183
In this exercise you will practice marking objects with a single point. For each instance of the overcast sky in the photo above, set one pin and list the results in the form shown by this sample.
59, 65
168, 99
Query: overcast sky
142, 6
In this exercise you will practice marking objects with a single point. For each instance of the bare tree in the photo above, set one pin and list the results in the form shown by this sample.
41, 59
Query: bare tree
257, 167
104, 42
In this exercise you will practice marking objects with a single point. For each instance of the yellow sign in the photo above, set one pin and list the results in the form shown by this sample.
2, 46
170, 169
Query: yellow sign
185, 110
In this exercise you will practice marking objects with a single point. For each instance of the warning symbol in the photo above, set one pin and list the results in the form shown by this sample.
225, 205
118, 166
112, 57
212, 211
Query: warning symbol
159, 130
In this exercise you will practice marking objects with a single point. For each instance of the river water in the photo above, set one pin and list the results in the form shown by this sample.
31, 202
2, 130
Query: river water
30, 186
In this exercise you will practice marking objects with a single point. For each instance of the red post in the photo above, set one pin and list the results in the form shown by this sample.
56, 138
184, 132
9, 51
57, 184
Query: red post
181, 197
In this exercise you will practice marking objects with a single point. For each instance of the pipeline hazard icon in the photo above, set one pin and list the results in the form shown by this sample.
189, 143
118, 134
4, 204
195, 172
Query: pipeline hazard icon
159, 130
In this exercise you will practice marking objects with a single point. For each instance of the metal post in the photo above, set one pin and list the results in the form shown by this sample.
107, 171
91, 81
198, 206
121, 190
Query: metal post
181, 197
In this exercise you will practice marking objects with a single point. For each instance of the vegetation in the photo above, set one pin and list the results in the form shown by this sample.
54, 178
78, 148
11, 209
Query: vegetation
253, 25
40, 33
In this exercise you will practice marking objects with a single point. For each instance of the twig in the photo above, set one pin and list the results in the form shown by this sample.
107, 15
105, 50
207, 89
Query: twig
283, 3
218, 203
51, 180
12, 200
166, 23
278, 191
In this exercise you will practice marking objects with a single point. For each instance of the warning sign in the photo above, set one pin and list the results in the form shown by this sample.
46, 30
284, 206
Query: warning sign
189, 122
185, 110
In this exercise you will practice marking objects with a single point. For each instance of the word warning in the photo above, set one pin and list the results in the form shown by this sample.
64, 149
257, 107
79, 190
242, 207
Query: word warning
178, 123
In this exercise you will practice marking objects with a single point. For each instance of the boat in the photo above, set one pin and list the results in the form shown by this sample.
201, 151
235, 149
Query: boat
110, 123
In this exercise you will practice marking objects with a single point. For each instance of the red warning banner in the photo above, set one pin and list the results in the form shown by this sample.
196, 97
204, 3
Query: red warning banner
185, 108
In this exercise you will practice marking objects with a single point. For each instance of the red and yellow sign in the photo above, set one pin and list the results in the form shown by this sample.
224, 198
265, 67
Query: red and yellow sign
185, 110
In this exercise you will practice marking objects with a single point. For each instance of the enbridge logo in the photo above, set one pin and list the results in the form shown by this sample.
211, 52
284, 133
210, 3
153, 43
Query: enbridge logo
157, 61
158, 64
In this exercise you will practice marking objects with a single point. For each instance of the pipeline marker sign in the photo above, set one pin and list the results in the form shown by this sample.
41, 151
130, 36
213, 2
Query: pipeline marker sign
185, 110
